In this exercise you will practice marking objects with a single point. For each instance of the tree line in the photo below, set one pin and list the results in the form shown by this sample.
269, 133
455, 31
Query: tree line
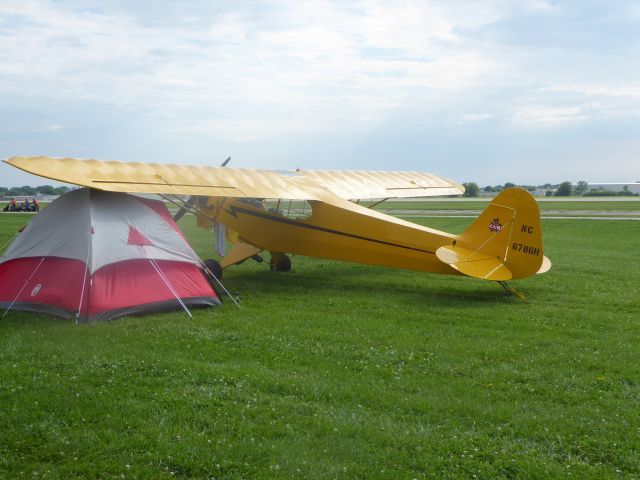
27, 191
564, 189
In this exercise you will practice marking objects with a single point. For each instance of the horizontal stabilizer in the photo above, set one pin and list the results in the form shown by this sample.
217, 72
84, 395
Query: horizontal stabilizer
474, 263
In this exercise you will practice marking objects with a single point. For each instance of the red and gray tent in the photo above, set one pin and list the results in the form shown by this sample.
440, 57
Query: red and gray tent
96, 255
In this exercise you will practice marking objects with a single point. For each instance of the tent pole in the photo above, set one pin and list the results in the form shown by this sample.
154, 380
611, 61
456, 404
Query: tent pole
84, 280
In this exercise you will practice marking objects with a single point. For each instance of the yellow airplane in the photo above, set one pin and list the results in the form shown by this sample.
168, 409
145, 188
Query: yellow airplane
316, 213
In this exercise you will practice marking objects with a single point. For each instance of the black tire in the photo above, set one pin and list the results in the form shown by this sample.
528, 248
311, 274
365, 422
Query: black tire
281, 263
214, 267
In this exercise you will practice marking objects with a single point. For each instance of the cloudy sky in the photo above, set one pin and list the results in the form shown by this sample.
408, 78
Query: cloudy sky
529, 91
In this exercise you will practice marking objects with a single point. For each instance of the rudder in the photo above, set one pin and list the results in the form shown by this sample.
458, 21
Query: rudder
503, 243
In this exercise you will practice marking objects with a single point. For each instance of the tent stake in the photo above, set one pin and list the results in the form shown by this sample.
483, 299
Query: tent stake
220, 283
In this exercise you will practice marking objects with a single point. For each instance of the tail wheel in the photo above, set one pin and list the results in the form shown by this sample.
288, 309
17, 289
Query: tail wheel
280, 263
214, 267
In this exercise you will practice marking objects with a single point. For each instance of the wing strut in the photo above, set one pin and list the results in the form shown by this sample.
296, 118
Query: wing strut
192, 199
184, 208
378, 202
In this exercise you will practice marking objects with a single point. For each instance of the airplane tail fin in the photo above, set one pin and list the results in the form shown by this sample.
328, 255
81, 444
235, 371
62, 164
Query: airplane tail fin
503, 243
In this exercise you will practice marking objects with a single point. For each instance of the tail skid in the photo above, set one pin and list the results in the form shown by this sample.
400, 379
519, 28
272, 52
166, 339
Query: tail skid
511, 291
504, 242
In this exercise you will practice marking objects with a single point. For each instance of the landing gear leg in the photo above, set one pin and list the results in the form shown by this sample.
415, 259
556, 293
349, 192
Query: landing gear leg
511, 291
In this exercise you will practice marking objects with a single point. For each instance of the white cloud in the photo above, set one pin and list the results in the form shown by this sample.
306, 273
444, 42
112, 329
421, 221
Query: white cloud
540, 6
360, 62
540, 115
579, 103
269, 71
629, 90
474, 118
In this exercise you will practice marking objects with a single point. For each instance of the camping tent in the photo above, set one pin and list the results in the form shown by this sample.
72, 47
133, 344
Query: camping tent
97, 255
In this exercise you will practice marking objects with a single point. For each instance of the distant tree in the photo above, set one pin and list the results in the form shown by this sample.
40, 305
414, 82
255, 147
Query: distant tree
600, 192
46, 189
27, 191
471, 189
548, 193
581, 188
564, 189
509, 185
488, 188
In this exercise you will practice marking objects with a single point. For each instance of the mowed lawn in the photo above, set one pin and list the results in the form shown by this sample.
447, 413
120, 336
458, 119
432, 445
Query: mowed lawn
589, 206
343, 371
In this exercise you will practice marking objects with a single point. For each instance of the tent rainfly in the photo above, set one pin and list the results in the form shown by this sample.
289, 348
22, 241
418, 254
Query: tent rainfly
96, 255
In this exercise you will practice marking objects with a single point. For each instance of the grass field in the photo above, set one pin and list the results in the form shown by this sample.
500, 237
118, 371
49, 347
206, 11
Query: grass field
547, 206
343, 371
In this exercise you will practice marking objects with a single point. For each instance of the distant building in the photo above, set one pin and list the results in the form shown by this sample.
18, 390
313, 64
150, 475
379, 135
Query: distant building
633, 187
541, 192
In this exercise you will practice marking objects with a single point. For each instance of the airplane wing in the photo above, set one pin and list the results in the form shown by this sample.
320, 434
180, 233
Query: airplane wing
138, 177
365, 184
236, 182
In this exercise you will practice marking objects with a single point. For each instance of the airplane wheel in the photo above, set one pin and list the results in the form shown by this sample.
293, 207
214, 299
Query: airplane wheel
214, 267
280, 263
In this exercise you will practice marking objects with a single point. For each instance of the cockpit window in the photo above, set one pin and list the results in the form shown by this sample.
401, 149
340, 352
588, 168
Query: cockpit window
295, 209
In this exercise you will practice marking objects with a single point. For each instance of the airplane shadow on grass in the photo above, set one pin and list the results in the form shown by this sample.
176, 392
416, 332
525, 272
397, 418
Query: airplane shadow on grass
390, 285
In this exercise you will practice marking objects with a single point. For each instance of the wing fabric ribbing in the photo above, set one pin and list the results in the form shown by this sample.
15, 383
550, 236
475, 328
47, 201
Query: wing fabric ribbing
236, 182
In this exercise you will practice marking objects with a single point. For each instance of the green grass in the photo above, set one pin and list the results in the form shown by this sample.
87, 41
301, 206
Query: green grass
343, 371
